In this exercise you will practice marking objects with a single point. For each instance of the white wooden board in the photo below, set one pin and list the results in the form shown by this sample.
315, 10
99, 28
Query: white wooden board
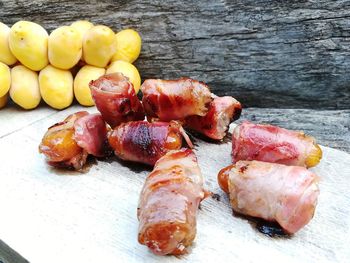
50, 215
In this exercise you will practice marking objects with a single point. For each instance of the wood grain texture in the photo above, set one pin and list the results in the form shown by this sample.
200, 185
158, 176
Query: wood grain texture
50, 215
8, 255
276, 54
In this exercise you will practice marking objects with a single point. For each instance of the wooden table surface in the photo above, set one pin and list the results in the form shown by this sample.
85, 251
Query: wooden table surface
50, 215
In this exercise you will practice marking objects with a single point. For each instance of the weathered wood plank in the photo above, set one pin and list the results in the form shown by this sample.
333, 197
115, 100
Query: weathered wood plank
49, 216
285, 54
8, 255
12, 118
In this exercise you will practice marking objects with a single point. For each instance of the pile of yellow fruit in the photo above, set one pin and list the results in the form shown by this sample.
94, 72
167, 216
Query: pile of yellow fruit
35, 65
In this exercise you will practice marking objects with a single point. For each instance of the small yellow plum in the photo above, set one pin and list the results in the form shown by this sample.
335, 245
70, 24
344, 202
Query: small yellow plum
128, 46
24, 89
65, 47
5, 79
56, 87
6, 55
28, 43
3, 100
82, 26
81, 83
98, 46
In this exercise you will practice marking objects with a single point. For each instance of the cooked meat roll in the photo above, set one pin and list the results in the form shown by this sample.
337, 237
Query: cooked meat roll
222, 111
68, 143
175, 99
115, 98
274, 192
169, 203
145, 142
274, 144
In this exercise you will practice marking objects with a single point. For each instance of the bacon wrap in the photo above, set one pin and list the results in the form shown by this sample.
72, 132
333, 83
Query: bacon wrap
145, 142
274, 144
175, 99
68, 143
91, 134
274, 192
59, 146
169, 203
222, 111
115, 98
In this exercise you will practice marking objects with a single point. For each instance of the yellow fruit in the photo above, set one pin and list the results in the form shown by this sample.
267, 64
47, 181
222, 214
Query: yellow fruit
3, 100
65, 47
28, 42
81, 83
82, 26
98, 46
128, 46
6, 55
5, 79
128, 70
56, 87
314, 157
24, 89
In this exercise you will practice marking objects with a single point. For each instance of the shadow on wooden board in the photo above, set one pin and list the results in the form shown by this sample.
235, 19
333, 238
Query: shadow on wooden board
8, 255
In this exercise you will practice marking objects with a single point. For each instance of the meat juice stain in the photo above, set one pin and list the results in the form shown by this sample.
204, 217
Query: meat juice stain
216, 197
70, 171
89, 163
270, 229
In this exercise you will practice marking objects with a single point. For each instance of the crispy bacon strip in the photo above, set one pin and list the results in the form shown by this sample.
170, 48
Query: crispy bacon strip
274, 144
175, 99
169, 203
274, 192
115, 98
68, 143
145, 142
222, 111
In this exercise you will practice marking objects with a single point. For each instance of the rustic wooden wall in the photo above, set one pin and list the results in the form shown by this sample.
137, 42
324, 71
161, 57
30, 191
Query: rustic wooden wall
287, 54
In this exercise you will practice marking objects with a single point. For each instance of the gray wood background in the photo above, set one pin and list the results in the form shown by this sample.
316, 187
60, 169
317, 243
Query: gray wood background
276, 54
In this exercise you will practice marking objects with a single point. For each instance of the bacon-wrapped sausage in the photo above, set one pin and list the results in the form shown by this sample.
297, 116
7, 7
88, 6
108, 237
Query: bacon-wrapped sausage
146, 142
274, 144
169, 202
274, 192
68, 143
222, 111
175, 99
115, 98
